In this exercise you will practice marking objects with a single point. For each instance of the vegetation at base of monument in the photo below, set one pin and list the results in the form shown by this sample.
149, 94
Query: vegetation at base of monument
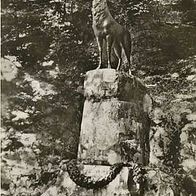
87, 181
48, 45
136, 175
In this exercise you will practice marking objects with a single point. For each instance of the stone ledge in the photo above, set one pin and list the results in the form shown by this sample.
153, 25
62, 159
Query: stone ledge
107, 83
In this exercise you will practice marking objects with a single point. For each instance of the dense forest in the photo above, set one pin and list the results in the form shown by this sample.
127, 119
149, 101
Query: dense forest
47, 47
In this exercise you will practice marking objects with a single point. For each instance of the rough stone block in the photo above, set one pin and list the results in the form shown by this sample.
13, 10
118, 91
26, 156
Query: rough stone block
115, 113
101, 83
109, 83
104, 125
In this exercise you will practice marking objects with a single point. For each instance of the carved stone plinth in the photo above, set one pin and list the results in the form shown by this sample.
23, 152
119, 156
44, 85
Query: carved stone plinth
115, 115
114, 129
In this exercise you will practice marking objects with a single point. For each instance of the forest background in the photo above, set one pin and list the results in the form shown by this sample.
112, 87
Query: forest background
48, 46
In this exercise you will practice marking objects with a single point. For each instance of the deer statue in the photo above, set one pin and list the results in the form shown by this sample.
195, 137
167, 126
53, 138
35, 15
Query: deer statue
107, 29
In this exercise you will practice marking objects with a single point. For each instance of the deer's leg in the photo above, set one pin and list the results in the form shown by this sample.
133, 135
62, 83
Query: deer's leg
127, 54
119, 63
118, 51
126, 44
100, 47
109, 42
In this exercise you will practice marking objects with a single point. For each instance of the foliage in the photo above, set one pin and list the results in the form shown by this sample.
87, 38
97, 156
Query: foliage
48, 45
87, 181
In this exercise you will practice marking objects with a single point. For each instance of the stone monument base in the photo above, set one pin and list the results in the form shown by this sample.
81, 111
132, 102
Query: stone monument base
114, 130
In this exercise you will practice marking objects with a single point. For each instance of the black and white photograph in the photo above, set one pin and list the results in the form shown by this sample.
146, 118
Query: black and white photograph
98, 98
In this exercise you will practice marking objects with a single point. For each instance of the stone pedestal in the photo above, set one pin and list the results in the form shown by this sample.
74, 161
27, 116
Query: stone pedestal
115, 115
115, 128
